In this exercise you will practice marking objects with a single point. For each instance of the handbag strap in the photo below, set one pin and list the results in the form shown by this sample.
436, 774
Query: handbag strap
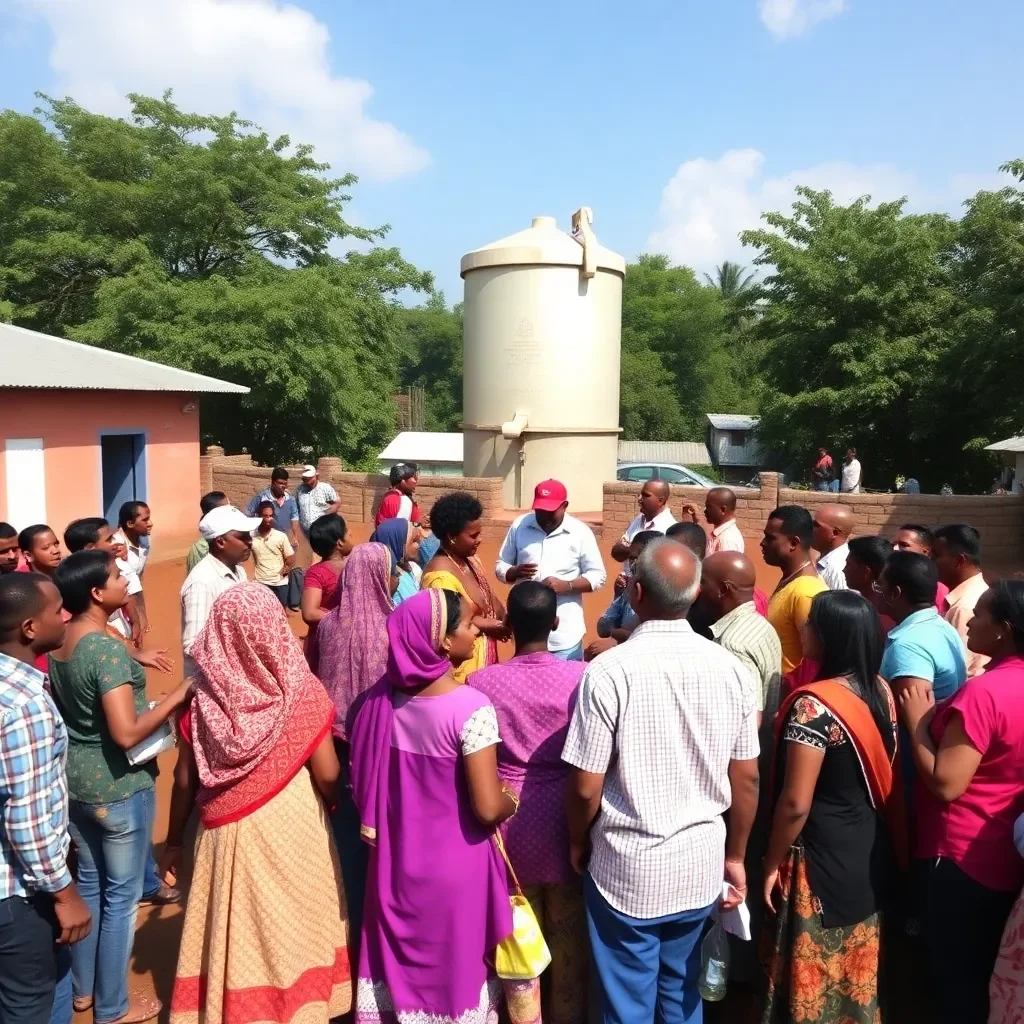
504, 856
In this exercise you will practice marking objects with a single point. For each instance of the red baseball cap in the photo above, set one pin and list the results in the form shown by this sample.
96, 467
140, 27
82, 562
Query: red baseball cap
549, 496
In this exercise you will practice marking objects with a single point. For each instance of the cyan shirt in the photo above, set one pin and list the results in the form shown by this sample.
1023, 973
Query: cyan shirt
927, 647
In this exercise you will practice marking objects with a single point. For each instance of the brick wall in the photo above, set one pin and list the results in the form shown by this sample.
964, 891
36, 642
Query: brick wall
999, 518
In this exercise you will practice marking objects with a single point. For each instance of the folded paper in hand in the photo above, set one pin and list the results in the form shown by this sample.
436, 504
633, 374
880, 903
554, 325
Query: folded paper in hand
735, 922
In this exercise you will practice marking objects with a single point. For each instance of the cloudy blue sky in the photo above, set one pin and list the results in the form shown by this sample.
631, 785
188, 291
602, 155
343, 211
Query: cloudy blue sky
677, 121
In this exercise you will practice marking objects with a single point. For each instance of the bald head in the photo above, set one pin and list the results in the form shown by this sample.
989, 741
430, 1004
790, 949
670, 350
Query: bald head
727, 581
666, 579
653, 498
833, 525
719, 505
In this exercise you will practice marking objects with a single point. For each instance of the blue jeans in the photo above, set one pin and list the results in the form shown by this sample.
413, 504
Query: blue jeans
62, 1006
113, 843
572, 654
647, 968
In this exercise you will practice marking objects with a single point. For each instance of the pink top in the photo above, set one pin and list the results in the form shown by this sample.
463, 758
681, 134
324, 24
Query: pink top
534, 696
940, 598
975, 831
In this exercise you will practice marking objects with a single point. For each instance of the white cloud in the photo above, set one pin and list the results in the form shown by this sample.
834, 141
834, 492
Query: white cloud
267, 60
707, 203
788, 18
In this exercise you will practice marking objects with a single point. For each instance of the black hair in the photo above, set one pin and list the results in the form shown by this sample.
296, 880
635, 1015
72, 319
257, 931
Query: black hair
402, 471
83, 532
129, 512
1008, 606
796, 521
325, 532
923, 533
21, 597
961, 539
79, 574
871, 551
916, 576
208, 502
452, 513
851, 646
7, 531
28, 536
644, 537
265, 504
453, 610
279, 473
690, 535
532, 608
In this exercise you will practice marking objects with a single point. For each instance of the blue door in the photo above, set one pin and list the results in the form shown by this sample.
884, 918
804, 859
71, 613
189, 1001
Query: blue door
122, 458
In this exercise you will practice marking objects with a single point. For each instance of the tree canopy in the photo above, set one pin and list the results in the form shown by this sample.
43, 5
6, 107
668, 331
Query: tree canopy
201, 242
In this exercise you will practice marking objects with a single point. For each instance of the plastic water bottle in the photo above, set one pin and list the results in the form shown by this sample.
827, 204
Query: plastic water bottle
714, 965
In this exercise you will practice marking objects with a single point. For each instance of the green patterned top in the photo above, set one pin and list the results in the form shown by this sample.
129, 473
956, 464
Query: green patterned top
98, 769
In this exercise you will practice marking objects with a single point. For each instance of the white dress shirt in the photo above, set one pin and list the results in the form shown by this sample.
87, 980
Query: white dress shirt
132, 564
567, 553
831, 566
203, 585
661, 522
661, 717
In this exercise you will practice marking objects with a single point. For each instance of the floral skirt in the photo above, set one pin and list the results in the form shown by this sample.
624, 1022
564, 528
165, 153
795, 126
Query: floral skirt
1006, 991
814, 973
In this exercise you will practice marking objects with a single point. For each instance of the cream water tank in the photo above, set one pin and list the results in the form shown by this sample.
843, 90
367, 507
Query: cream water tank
542, 323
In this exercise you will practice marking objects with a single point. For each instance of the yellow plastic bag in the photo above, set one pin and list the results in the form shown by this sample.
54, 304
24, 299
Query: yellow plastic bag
524, 954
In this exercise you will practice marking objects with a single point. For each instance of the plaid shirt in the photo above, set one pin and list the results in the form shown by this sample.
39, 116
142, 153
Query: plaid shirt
34, 837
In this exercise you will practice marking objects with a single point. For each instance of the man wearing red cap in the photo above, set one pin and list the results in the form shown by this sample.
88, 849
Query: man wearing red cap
549, 545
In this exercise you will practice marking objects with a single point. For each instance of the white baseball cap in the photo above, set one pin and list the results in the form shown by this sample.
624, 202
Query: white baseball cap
308, 472
226, 519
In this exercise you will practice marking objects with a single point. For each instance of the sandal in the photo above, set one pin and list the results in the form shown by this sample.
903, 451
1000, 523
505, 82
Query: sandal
140, 1008
164, 896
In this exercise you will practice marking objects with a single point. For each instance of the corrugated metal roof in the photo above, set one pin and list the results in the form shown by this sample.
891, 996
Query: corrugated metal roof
1010, 444
727, 421
685, 453
423, 446
31, 359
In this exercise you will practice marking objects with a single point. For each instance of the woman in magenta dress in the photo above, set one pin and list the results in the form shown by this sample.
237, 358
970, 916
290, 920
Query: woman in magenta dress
425, 781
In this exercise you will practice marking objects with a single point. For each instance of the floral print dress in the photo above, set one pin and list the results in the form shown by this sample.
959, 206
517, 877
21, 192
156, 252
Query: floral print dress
821, 951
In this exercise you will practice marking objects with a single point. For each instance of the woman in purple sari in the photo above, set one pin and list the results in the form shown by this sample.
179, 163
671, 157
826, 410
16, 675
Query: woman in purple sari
425, 782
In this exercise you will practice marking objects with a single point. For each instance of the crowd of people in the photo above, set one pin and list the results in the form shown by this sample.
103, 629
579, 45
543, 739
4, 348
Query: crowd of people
386, 807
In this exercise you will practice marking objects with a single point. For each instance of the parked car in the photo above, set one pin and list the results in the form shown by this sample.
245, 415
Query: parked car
671, 472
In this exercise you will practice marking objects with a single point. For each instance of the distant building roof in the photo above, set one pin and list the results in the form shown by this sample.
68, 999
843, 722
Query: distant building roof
1010, 444
727, 421
423, 446
31, 359
685, 453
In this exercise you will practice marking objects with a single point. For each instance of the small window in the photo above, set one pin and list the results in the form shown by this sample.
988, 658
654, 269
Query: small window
738, 438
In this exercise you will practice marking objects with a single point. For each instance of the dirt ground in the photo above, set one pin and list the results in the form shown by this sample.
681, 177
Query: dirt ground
158, 929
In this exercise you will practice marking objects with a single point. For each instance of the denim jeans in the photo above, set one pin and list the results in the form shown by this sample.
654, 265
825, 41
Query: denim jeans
62, 1012
113, 843
572, 654
28, 959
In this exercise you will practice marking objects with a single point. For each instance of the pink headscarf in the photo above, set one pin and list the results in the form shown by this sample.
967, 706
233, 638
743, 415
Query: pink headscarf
353, 638
416, 631
253, 684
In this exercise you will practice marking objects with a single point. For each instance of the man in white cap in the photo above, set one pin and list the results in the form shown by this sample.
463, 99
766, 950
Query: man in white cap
228, 531
315, 498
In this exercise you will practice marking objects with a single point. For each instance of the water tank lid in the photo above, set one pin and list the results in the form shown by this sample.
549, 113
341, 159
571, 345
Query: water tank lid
542, 243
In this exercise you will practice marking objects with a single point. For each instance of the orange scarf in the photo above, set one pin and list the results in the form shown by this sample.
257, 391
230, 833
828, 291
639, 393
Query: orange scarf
880, 771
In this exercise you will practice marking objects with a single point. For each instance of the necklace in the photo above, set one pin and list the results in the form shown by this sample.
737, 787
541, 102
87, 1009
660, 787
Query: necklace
461, 566
792, 576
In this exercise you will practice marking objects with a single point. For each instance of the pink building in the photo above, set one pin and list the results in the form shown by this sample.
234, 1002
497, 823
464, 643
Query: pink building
83, 429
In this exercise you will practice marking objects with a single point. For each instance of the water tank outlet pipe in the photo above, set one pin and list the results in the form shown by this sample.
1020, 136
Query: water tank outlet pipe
514, 427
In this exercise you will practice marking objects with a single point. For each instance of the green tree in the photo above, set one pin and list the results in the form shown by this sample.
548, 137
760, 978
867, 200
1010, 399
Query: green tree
859, 313
677, 361
201, 242
732, 281
432, 360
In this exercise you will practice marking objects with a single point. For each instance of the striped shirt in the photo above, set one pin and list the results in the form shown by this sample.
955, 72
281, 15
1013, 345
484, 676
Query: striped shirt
203, 585
34, 839
725, 537
752, 639
661, 718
